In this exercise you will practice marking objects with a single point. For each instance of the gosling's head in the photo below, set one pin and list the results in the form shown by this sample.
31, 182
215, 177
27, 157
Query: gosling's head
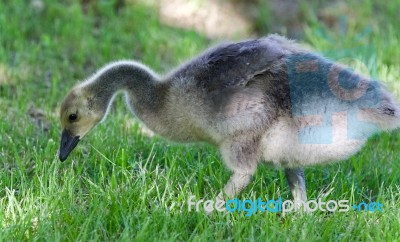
78, 115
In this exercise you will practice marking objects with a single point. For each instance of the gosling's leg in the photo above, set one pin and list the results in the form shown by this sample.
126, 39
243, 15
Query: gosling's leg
237, 182
297, 183
241, 157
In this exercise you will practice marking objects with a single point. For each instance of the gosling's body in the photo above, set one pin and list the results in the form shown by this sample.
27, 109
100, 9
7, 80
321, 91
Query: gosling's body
238, 97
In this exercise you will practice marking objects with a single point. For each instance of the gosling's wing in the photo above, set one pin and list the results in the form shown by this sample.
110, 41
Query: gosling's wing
233, 65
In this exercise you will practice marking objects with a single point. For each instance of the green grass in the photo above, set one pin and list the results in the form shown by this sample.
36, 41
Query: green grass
120, 184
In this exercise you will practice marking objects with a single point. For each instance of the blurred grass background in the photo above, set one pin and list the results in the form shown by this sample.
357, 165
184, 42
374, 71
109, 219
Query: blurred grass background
121, 184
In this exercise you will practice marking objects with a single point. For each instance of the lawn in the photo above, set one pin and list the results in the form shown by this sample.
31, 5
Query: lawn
121, 183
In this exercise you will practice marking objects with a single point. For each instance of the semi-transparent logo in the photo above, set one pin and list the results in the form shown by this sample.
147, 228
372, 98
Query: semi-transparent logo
322, 92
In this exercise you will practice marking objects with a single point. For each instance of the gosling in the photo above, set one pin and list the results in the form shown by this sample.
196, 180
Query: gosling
266, 100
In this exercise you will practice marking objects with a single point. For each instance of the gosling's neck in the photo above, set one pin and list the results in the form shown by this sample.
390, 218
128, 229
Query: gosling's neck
140, 83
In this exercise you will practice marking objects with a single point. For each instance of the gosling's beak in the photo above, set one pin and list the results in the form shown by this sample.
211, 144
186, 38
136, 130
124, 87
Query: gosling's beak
68, 143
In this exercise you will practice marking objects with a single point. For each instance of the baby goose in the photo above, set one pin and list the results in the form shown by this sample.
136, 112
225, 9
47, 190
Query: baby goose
258, 100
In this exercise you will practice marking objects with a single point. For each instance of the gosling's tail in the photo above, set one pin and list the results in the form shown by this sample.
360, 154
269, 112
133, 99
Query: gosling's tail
387, 113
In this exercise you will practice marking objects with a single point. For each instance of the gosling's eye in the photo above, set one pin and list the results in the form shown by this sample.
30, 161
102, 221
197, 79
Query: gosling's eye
72, 117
